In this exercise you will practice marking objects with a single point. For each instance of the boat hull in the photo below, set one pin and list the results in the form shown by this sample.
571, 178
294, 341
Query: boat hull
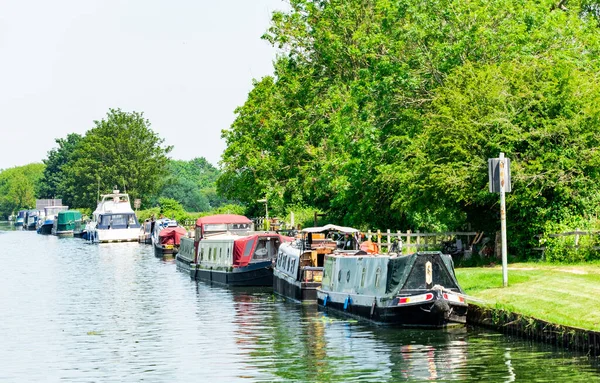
114, 235
435, 313
255, 274
46, 228
294, 289
165, 250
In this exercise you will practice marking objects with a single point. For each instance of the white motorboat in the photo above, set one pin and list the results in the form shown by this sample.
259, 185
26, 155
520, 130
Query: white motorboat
113, 220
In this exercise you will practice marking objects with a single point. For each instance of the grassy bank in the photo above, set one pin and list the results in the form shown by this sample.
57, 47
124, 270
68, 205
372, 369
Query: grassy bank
565, 295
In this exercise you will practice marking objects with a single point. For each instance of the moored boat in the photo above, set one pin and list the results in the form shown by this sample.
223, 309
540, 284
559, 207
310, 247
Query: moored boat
46, 224
20, 219
236, 260
207, 226
298, 270
145, 235
68, 223
31, 219
166, 236
413, 290
113, 220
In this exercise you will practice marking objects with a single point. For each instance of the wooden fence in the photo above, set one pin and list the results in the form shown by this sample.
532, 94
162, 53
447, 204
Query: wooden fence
413, 241
577, 233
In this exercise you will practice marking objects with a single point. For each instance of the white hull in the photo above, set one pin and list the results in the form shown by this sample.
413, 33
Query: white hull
115, 235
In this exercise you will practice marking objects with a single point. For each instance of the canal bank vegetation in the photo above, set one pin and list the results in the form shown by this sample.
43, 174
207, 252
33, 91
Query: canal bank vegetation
383, 115
561, 294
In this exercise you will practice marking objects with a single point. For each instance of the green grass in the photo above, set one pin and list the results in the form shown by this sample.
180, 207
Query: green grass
563, 294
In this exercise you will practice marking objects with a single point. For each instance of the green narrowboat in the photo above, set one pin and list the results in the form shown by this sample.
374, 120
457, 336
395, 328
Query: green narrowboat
69, 223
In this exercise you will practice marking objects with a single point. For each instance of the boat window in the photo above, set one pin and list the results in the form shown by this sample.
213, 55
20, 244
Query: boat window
340, 276
362, 278
293, 264
202, 253
261, 251
248, 248
348, 276
220, 253
377, 274
210, 253
228, 251
288, 264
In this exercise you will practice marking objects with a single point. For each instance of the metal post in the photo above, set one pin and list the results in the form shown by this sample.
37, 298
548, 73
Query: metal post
503, 222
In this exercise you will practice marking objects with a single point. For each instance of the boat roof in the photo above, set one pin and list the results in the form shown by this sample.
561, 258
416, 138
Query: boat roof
235, 237
114, 203
222, 218
320, 229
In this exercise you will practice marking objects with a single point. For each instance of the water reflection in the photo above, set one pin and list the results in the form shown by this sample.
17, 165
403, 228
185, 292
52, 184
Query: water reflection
79, 312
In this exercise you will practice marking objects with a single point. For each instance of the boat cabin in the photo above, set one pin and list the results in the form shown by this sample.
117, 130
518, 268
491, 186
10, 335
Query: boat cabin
117, 221
222, 223
226, 250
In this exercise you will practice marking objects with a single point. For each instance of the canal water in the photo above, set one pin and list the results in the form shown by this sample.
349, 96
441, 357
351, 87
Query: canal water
72, 311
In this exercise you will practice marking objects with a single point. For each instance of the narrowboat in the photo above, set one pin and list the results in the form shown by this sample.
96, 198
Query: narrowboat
299, 267
50, 213
166, 236
146, 228
113, 220
31, 220
207, 226
417, 290
20, 220
68, 223
235, 260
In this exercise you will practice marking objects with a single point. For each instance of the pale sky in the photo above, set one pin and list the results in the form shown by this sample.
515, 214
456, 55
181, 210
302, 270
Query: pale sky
187, 64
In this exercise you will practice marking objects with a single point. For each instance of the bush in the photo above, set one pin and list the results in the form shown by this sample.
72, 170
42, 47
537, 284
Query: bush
563, 249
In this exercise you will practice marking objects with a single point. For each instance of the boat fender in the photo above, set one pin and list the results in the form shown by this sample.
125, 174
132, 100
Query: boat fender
373, 307
347, 302
325, 300
440, 306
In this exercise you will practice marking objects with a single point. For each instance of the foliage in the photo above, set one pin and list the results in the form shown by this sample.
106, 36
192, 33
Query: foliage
17, 187
193, 184
53, 174
122, 151
384, 114
571, 248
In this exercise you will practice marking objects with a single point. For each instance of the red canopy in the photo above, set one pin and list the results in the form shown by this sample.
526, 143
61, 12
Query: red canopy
244, 248
222, 218
172, 235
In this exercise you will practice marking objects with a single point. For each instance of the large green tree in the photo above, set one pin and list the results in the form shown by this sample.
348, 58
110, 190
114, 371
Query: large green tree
50, 184
383, 113
192, 183
121, 150
17, 188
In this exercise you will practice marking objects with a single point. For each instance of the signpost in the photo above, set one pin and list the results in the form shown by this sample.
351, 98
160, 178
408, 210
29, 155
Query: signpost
499, 177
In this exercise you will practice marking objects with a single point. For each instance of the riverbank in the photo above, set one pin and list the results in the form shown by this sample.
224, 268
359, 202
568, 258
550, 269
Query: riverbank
553, 303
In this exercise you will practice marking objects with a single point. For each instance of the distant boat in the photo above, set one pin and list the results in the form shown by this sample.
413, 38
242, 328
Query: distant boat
46, 224
31, 220
417, 290
145, 235
166, 236
113, 220
20, 219
68, 223
299, 267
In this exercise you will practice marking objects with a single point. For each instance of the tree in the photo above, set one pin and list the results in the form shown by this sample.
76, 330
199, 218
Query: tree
122, 151
50, 184
193, 184
17, 188
384, 113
